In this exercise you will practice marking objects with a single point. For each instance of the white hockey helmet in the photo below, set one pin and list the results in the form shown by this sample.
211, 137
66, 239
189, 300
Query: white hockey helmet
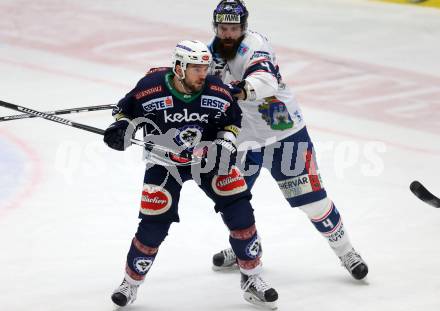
190, 52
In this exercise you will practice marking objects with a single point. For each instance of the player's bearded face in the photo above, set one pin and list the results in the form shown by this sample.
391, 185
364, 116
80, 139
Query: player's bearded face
230, 37
227, 48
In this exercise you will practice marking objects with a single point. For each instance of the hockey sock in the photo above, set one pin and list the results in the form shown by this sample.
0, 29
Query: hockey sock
247, 247
327, 220
140, 258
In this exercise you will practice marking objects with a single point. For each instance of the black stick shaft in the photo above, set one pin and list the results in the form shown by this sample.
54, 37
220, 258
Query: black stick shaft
57, 112
81, 126
51, 117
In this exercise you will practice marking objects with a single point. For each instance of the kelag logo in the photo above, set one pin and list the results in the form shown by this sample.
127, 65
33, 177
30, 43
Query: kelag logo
158, 104
185, 117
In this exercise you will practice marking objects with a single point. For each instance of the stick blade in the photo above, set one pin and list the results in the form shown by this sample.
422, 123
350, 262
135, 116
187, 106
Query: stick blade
423, 194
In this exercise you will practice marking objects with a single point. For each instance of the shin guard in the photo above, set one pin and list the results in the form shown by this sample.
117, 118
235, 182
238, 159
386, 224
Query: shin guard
327, 220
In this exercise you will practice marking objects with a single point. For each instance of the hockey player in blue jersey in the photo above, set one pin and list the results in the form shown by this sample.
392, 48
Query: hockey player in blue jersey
194, 108
273, 119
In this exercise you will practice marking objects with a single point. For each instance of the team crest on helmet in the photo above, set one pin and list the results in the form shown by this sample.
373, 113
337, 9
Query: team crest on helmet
231, 12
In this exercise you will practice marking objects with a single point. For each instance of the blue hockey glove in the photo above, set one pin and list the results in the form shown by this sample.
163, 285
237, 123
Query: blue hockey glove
235, 89
242, 90
114, 135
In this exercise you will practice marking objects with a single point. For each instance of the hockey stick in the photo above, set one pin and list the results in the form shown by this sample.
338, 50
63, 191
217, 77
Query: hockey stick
423, 194
51, 117
57, 112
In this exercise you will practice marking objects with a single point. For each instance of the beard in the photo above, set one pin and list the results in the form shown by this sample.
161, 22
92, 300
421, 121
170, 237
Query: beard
193, 87
227, 48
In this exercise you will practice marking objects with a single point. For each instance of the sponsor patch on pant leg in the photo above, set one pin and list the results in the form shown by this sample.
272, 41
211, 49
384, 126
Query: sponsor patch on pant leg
155, 200
230, 184
306, 183
297, 186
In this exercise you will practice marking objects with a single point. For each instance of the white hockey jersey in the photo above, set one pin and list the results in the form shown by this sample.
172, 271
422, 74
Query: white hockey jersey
275, 114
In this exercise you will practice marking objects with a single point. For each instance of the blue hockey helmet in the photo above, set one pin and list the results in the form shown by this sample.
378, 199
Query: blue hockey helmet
230, 12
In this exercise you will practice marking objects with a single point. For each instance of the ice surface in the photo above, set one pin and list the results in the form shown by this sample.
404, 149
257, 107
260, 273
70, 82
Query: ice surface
367, 75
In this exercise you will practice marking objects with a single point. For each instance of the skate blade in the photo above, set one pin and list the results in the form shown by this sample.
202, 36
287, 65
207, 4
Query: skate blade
225, 269
117, 307
257, 302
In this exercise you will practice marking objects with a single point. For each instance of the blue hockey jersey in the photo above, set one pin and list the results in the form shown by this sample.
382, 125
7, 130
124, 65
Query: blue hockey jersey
191, 118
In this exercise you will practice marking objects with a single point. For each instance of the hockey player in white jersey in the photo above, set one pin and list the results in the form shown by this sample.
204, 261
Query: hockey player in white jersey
272, 121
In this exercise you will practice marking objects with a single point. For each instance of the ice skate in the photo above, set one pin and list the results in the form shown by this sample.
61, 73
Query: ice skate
354, 263
224, 260
125, 294
258, 292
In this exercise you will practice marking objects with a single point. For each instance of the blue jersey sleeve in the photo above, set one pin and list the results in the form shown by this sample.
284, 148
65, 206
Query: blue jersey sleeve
147, 88
230, 119
126, 107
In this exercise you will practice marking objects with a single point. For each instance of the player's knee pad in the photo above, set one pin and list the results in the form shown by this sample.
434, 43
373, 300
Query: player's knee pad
152, 233
247, 247
324, 216
238, 215
316, 209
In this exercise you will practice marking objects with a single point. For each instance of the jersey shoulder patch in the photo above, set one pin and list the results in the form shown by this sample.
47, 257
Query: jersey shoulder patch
157, 69
217, 88
243, 49
151, 85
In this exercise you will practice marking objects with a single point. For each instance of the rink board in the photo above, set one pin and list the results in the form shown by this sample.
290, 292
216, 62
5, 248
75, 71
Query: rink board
428, 3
